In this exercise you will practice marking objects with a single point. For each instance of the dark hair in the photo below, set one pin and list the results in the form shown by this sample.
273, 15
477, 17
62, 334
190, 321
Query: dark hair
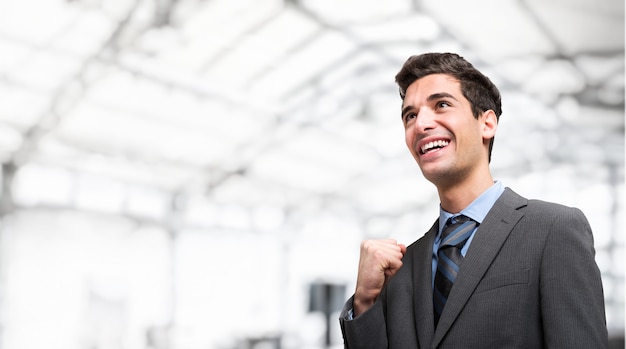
482, 94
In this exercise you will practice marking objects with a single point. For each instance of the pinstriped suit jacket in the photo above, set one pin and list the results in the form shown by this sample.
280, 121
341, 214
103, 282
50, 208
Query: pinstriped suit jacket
528, 280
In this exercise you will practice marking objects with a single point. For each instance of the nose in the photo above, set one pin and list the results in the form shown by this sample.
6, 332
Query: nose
425, 120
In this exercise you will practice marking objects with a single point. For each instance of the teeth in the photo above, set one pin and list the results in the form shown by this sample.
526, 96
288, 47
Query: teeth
435, 144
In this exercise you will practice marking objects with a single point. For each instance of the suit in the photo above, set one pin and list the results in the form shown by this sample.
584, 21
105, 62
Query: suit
528, 280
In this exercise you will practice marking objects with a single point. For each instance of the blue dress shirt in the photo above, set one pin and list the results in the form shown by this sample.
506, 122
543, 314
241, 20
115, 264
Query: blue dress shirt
477, 211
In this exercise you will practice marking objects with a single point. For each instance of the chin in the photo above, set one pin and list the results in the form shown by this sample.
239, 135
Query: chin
438, 175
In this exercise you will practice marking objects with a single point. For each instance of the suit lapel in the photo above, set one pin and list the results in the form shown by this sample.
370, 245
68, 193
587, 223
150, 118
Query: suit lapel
423, 293
487, 241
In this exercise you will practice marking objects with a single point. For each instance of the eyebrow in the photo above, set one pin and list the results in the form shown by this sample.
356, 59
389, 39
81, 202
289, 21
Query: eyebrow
439, 96
434, 96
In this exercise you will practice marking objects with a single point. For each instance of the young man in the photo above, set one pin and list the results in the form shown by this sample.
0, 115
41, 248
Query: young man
513, 273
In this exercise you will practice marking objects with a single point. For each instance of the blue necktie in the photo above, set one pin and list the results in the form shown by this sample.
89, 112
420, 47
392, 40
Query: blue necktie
455, 234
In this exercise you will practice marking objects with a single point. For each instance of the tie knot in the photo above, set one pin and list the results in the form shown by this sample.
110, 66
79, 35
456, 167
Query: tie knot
458, 219
457, 230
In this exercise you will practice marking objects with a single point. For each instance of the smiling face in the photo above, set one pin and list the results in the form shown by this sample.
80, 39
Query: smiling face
449, 144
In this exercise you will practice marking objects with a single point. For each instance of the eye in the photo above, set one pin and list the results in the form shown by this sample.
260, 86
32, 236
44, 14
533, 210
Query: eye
408, 117
443, 104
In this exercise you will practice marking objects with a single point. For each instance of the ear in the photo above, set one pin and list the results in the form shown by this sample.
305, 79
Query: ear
489, 124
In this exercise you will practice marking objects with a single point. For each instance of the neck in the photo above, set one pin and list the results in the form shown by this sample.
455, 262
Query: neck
457, 196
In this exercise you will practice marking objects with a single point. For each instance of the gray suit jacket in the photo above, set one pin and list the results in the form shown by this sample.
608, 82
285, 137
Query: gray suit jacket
528, 280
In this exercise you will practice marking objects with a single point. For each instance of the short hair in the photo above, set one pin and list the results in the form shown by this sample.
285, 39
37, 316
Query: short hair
482, 94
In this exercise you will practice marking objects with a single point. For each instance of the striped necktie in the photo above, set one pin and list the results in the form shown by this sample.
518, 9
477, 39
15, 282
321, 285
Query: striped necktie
455, 234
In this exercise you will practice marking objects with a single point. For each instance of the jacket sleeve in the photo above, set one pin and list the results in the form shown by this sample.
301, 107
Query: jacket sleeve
366, 331
572, 299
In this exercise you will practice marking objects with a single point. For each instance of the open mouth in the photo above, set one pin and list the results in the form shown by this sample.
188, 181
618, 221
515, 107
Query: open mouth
433, 146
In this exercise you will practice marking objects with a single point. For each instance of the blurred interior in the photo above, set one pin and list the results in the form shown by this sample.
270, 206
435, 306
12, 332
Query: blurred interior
200, 173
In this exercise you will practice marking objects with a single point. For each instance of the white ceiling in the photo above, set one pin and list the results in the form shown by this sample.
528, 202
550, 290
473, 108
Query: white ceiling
275, 102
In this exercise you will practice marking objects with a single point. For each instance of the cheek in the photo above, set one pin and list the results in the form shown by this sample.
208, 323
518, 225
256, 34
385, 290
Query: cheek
408, 138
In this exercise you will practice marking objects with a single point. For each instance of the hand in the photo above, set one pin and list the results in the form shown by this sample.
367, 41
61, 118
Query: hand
380, 260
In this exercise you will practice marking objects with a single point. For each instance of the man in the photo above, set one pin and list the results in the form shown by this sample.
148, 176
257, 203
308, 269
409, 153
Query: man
518, 273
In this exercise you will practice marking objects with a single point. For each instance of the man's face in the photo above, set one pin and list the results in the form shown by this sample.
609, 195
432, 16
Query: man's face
442, 134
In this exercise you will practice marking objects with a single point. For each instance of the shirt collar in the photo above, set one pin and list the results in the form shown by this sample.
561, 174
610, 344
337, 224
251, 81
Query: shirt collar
478, 209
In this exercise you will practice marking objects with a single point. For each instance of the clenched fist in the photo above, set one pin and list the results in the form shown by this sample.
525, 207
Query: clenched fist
380, 260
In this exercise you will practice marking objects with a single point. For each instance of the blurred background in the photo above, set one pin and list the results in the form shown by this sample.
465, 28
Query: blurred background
200, 173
